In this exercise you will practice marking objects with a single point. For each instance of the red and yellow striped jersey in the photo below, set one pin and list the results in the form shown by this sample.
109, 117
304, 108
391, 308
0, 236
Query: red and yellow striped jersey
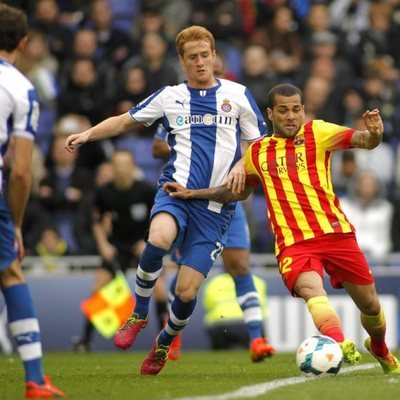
295, 174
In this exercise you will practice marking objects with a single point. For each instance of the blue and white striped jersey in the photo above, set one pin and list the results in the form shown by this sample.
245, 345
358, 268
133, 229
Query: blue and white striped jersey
204, 127
19, 111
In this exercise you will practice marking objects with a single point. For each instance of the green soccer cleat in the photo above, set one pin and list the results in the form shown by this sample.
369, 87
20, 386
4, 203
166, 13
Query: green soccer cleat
390, 364
350, 353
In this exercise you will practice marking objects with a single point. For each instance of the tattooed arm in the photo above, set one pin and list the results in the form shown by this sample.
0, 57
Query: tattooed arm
370, 138
220, 194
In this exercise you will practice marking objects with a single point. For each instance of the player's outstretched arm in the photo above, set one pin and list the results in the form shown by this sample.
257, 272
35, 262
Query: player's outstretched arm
370, 138
220, 194
110, 127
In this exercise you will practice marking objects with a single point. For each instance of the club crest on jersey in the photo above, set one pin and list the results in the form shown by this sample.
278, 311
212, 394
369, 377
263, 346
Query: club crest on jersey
225, 106
298, 140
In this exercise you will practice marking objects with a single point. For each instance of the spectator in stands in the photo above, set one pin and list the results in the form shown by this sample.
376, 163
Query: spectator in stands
343, 171
41, 68
151, 20
350, 18
316, 22
158, 68
223, 18
81, 96
85, 46
352, 106
46, 20
113, 44
326, 62
176, 13
257, 74
62, 189
49, 247
282, 42
319, 102
134, 87
375, 39
371, 214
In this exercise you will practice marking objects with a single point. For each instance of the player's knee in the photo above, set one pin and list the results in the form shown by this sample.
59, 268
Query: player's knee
308, 292
371, 306
160, 241
186, 293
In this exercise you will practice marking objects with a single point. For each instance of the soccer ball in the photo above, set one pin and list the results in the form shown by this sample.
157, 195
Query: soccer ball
318, 356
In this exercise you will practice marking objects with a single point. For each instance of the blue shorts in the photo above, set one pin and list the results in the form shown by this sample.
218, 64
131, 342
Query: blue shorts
7, 237
202, 233
238, 232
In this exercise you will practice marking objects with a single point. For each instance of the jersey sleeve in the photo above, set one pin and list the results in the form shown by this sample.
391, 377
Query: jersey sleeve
251, 121
331, 136
26, 114
150, 109
252, 177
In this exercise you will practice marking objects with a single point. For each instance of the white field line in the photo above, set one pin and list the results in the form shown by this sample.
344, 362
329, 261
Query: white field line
262, 388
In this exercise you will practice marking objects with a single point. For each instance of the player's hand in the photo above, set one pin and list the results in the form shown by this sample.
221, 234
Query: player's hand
19, 244
74, 140
373, 122
236, 180
174, 189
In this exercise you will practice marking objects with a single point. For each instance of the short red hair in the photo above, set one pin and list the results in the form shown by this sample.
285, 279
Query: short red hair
192, 34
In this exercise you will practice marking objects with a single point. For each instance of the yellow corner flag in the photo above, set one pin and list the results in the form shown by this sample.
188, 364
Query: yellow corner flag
108, 308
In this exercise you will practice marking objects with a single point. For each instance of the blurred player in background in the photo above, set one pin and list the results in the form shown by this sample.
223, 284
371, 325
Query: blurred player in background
19, 113
313, 234
207, 118
236, 258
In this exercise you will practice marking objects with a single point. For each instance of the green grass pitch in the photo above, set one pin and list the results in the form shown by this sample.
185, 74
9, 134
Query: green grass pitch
213, 375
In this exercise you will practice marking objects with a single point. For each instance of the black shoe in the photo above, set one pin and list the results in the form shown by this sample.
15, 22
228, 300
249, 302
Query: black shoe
80, 346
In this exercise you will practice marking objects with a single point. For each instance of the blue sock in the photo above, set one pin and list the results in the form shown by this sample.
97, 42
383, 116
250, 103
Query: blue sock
178, 319
249, 302
149, 269
24, 327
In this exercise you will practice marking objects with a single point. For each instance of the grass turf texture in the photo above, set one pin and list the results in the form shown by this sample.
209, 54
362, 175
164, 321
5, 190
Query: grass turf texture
115, 376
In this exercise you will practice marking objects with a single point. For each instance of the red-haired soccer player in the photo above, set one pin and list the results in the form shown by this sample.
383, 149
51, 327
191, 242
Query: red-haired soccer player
207, 118
312, 233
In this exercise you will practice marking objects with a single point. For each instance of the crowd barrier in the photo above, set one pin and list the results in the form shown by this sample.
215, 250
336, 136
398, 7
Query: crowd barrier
59, 291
